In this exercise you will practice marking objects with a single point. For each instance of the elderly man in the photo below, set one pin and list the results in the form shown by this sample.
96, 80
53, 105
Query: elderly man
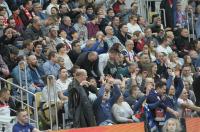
110, 38
34, 32
67, 27
80, 108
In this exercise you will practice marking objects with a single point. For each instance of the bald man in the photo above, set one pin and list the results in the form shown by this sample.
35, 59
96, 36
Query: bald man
80, 108
35, 74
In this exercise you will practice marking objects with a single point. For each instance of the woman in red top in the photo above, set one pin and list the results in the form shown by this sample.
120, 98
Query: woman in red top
138, 39
18, 21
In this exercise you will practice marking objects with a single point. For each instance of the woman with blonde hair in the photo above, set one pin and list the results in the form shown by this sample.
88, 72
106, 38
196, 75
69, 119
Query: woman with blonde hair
153, 72
174, 60
172, 125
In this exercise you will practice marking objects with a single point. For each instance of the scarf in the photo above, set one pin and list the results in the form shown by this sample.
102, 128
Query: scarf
18, 20
27, 13
5, 22
170, 2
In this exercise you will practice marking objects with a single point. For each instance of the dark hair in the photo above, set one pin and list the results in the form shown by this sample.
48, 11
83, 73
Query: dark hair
20, 110
51, 54
14, 8
61, 68
73, 69
6, 29
36, 43
26, 2
59, 46
90, 6
78, 17
73, 44
73, 32
26, 43
159, 85
93, 17
115, 48
113, 18
55, 8
60, 6
109, 9
121, 25
13, 50
133, 3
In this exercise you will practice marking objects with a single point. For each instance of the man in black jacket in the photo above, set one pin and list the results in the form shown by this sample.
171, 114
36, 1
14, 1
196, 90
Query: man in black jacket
80, 108
89, 61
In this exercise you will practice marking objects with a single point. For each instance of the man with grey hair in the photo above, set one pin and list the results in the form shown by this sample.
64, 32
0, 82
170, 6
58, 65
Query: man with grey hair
110, 38
34, 32
66, 25
37, 10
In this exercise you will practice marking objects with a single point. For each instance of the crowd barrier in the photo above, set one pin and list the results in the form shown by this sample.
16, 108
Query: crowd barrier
192, 125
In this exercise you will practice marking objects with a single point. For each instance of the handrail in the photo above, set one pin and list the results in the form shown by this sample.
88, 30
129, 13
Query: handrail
192, 19
16, 86
188, 26
20, 78
28, 92
49, 77
147, 6
26, 82
164, 16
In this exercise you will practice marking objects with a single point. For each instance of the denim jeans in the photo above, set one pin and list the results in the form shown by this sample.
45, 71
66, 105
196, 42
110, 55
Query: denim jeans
31, 96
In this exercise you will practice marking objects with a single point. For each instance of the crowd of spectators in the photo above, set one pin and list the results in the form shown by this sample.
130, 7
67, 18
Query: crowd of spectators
110, 64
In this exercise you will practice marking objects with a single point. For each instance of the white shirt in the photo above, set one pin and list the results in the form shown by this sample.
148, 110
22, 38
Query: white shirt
185, 112
44, 97
67, 61
122, 112
132, 28
5, 110
103, 60
63, 85
166, 50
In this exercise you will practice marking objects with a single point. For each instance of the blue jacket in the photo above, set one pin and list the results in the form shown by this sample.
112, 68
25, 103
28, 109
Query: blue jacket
15, 75
102, 110
36, 79
99, 47
171, 101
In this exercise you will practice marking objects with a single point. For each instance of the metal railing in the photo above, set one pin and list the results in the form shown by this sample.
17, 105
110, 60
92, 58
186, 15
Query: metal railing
190, 15
51, 84
164, 16
35, 110
22, 66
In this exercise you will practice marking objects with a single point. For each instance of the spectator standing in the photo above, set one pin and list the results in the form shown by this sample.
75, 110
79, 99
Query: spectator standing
79, 101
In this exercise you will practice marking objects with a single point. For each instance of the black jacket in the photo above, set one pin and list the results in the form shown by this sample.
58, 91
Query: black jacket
32, 33
24, 18
80, 108
84, 63
196, 88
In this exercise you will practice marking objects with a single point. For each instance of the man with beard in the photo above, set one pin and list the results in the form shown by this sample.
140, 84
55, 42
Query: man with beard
35, 74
